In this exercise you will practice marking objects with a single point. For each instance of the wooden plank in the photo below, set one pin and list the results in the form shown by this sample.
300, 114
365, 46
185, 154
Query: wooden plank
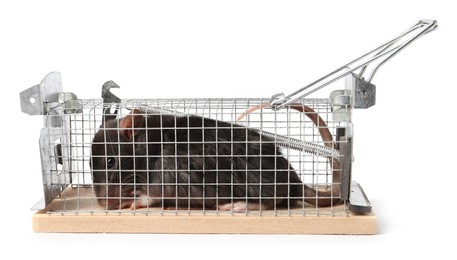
99, 223
195, 223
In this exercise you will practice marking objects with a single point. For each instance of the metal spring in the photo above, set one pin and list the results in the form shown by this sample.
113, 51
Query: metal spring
308, 147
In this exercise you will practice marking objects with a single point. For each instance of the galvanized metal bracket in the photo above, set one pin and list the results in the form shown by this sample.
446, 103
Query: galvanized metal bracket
363, 92
38, 99
340, 100
71, 103
358, 94
46, 96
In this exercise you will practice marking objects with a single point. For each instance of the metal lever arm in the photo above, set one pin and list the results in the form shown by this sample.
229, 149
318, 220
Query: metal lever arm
381, 54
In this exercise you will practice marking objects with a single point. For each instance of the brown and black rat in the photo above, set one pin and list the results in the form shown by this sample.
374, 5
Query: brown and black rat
187, 161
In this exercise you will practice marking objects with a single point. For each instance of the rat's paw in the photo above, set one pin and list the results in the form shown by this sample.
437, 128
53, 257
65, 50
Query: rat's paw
239, 206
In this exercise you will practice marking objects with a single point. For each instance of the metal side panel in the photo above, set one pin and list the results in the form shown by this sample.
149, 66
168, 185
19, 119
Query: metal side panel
55, 177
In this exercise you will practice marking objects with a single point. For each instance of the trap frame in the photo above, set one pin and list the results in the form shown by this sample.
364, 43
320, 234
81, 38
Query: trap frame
314, 135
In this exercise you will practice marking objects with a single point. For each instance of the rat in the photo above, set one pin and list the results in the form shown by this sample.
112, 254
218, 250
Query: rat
188, 161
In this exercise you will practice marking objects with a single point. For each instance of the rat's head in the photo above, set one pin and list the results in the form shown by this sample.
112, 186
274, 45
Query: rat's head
116, 161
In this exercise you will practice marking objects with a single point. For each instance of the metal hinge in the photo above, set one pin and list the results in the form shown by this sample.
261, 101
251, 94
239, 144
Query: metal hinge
42, 98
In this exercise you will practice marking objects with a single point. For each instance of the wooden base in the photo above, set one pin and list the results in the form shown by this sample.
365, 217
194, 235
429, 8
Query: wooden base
131, 222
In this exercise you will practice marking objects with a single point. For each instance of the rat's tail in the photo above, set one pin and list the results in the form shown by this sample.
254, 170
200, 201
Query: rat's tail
314, 195
329, 195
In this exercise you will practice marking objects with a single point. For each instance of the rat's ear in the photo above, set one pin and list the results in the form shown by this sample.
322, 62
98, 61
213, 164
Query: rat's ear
129, 124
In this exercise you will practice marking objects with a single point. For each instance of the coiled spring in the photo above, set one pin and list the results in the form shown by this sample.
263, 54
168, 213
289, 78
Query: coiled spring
308, 147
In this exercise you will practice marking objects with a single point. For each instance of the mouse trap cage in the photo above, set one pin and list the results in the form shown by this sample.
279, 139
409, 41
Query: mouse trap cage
280, 164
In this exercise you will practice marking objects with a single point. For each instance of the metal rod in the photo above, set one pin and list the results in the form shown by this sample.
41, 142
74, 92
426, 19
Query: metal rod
375, 69
386, 45
389, 47
335, 78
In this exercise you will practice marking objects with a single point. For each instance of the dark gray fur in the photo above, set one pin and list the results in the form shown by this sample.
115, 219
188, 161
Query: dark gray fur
216, 163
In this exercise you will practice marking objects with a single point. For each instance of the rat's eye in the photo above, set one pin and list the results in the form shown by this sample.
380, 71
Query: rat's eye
110, 162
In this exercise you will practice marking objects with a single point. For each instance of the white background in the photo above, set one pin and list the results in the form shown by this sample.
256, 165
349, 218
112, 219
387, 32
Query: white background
404, 146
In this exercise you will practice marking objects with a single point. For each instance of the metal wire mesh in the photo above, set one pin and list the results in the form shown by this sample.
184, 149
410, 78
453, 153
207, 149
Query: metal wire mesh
137, 178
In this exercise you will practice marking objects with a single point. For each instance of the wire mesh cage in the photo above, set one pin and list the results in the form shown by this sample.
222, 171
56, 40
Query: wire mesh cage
265, 157
190, 156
